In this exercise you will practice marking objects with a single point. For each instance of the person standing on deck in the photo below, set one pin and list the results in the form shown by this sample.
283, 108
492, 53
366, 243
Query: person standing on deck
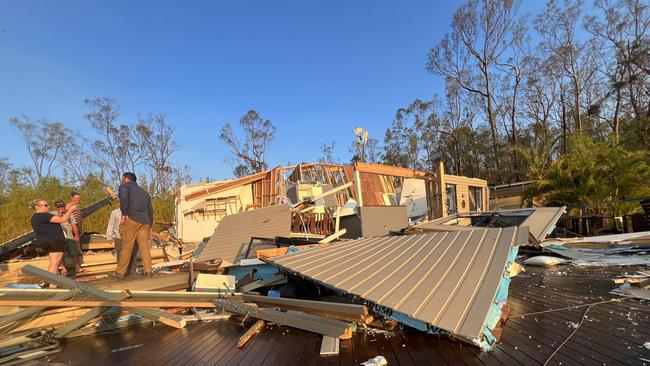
137, 218
113, 237
77, 226
49, 235
72, 247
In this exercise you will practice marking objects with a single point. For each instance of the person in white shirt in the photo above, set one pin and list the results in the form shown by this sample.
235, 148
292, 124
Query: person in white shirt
113, 236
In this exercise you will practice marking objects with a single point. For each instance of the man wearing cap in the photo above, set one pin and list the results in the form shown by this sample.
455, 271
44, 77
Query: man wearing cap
72, 247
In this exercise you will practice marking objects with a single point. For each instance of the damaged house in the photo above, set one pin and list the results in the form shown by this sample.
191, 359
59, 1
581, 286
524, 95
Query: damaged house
342, 264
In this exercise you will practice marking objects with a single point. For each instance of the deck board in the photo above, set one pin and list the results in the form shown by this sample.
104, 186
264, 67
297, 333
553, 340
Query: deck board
613, 333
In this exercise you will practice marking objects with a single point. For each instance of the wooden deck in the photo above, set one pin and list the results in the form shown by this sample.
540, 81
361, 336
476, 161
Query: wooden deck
612, 333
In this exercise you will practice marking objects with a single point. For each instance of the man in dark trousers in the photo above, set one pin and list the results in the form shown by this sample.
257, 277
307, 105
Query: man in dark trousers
137, 218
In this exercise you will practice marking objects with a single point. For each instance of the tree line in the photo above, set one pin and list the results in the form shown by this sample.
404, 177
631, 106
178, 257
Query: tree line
521, 84
145, 146
560, 98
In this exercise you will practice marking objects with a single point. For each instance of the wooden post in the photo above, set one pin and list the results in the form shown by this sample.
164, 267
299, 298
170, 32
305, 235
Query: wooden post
191, 272
357, 186
443, 189
254, 329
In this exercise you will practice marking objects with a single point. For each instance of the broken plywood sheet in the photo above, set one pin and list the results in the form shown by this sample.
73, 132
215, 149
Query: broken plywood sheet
445, 280
231, 238
414, 197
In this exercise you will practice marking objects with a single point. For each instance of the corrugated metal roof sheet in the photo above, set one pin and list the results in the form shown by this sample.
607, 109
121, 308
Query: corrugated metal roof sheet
448, 280
542, 220
539, 220
230, 239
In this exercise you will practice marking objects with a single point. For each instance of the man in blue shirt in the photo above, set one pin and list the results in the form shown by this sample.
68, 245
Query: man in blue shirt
137, 218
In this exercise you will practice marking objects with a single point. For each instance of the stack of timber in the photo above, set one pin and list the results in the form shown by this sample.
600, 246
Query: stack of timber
93, 263
36, 318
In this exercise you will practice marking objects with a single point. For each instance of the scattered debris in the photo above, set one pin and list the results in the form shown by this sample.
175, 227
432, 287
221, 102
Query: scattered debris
326, 249
376, 361
329, 346
127, 348
544, 260
254, 329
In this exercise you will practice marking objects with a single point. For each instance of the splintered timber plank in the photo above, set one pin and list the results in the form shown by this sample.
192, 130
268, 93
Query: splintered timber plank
350, 309
79, 322
329, 346
312, 323
345, 312
250, 333
35, 309
153, 314
55, 316
139, 295
275, 280
98, 303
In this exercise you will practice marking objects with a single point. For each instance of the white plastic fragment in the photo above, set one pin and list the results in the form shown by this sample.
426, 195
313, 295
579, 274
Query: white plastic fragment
646, 345
376, 361
544, 260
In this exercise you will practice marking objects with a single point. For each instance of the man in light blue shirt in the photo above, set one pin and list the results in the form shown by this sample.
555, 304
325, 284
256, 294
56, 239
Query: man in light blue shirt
113, 236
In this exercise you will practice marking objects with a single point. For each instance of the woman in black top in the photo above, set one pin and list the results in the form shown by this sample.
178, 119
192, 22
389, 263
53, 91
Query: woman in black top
49, 234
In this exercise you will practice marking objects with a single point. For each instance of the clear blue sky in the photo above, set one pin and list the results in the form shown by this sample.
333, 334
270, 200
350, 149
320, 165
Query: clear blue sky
316, 69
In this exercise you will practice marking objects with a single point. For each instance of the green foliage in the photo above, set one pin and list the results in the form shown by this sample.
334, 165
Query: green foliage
594, 173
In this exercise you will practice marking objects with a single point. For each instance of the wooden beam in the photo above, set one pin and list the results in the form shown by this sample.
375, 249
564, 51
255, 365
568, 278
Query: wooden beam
34, 309
274, 252
311, 323
331, 191
95, 303
225, 186
50, 294
153, 314
326, 306
79, 322
334, 236
95, 246
275, 280
252, 331
329, 346
88, 261
391, 170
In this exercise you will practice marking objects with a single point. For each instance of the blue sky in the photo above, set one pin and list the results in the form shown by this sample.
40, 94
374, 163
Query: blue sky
316, 69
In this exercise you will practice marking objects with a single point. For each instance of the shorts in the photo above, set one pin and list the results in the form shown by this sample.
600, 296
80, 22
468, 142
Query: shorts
52, 247
72, 248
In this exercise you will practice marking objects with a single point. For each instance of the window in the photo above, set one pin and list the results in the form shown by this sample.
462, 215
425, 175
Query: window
452, 203
475, 199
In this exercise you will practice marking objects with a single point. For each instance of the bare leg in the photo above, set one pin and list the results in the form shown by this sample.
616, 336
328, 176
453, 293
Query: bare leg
55, 260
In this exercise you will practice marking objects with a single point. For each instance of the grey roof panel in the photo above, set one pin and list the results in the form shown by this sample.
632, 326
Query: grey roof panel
447, 279
542, 220
231, 237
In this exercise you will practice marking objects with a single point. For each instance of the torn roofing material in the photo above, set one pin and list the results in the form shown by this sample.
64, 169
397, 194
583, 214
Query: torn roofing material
540, 221
543, 220
231, 238
447, 280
